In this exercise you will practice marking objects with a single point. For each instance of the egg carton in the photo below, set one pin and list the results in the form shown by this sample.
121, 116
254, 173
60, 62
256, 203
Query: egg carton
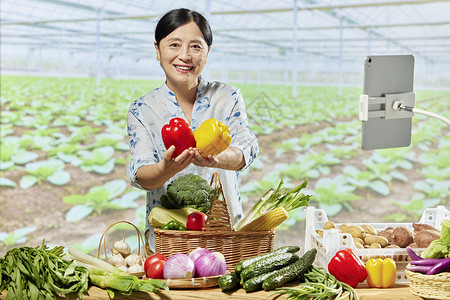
334, 241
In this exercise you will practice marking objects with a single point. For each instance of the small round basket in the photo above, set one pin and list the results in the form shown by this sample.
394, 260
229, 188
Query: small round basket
429, 286
140, 240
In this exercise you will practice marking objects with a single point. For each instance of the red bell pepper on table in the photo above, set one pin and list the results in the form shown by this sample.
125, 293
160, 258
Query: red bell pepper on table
179, 134
347, 267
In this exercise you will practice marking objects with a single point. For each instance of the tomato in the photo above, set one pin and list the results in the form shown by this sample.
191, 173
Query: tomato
156, 270
152, 259
196, 221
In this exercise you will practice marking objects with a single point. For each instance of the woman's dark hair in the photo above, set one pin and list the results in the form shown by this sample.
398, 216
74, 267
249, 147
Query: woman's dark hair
178, 17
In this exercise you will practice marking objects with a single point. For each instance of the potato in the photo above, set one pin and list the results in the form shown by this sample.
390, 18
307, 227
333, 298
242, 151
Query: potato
370, 239
320, 233
419, 227
424, 237
355, 230
369, 229
343, 227
329, 225
375, 245
358, 240
359, 245
402, 236
387, 233
413, 245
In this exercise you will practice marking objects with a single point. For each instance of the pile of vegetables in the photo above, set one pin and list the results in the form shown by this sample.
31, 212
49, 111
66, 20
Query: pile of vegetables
289, 199
189, 190
160, 216
428, 266
435, 258
41, 273
177, 219
269, 271
366, 236
106, 276
200, 262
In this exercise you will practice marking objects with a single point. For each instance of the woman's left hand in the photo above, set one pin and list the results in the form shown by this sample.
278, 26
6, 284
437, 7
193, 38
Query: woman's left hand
199, 160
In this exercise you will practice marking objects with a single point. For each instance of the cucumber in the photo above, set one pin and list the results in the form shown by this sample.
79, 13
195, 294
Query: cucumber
291, 271
229, 281
248, 261
271, 263
255, 283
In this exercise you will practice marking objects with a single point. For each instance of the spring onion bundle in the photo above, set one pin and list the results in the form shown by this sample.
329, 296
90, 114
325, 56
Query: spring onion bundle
41, 273
289, 199
108, 277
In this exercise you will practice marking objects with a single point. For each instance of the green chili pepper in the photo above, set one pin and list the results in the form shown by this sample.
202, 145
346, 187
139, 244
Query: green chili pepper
173, 225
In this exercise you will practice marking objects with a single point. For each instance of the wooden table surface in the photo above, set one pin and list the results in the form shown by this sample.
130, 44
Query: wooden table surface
397, 292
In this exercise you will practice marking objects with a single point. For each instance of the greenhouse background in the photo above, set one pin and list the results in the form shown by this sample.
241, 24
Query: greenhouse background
71, 68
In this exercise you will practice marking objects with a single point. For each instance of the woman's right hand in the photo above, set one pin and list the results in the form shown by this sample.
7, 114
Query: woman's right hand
178, 163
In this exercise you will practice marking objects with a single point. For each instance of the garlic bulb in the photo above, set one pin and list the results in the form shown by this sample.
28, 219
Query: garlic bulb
117, 260
133, 259
122, 268
135, 269
122, 247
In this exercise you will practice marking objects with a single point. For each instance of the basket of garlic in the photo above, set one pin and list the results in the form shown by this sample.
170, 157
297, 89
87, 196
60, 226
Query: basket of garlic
121, 255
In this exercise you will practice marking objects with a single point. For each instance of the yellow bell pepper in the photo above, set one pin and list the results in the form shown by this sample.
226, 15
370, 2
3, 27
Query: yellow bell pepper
381, 273
212, 137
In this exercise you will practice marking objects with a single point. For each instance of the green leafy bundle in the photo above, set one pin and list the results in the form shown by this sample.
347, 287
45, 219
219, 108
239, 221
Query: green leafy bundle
41, 273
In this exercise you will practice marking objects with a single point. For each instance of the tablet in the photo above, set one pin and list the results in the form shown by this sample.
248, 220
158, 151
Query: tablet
387, 74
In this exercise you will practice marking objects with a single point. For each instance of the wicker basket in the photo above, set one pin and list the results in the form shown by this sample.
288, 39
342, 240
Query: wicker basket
217, 235
429, 286
102, 242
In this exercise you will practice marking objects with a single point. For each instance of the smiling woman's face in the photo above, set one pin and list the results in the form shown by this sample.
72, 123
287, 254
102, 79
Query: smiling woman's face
183, 55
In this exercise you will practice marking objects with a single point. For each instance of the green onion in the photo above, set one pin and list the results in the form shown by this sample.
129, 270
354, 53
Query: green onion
108, 277
281, 197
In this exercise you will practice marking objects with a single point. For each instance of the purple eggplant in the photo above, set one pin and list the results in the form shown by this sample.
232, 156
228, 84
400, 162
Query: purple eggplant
426, 261
419, 269
442, 266
412, 254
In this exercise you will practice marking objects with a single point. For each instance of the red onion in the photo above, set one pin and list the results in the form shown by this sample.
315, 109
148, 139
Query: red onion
210, 264
198, 252
179, 266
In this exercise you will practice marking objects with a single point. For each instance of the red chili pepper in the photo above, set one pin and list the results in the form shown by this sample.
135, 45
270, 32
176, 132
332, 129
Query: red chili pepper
347, 267
179, 134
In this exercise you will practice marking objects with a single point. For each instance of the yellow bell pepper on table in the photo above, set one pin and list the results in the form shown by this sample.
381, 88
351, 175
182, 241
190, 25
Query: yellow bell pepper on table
212, 137
381, 273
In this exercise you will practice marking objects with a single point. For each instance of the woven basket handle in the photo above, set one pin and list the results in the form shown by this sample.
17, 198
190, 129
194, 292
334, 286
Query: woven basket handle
218, 216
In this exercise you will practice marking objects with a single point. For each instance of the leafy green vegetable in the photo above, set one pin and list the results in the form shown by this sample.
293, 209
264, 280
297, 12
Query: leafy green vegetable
41, 273
439, 248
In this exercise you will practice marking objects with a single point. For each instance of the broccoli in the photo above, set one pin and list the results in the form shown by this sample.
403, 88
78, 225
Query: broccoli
188, 191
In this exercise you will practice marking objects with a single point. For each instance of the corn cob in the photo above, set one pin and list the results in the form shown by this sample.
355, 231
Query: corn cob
267, 221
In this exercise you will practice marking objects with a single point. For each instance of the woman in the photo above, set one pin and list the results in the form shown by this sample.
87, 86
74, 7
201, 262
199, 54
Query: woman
183, 40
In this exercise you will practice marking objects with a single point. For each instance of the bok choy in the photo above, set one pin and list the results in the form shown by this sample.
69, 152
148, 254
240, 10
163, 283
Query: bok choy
289, 199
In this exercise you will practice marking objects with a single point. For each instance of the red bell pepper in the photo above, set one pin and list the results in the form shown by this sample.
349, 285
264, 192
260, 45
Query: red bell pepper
179, 134
347, 267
